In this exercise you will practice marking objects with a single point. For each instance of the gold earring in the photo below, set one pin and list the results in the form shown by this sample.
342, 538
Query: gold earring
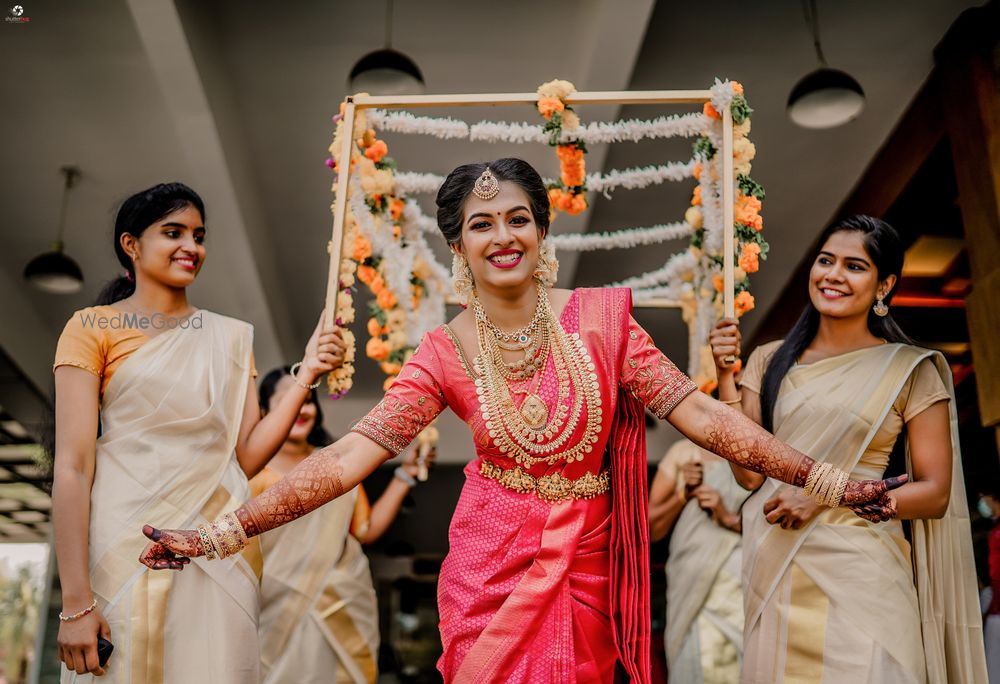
881, 309
548, 266
462, 281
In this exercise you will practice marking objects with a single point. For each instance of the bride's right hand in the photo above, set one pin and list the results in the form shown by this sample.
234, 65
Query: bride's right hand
170, 549
725, 342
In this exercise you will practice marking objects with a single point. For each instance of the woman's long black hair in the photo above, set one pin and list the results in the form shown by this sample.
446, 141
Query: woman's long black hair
885, 248
318, 436
136, 214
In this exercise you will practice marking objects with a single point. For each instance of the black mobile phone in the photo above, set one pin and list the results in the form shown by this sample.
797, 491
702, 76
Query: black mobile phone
104, 649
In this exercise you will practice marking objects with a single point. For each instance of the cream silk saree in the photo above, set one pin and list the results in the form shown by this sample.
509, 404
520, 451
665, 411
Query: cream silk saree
845, 600
170, 419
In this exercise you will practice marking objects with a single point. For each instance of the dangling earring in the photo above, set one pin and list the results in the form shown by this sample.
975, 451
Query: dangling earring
881, 309
548, 266
461, 278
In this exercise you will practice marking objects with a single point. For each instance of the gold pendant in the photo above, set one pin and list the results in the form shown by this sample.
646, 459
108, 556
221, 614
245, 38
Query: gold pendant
534, 411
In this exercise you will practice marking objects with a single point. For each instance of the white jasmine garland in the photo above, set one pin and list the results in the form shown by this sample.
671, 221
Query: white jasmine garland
403, 122
672, 271
620, 239
410, 182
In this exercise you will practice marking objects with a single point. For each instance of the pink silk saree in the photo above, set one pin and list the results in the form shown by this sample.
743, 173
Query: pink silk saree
533, 591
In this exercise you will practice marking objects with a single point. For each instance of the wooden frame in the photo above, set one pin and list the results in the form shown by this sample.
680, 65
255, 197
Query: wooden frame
354, 103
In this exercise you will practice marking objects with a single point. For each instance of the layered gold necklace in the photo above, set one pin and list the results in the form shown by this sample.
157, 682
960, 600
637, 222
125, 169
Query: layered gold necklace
530, 434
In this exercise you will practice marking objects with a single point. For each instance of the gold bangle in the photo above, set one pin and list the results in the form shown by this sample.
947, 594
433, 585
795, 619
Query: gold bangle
207, 548
732, 402
838, 494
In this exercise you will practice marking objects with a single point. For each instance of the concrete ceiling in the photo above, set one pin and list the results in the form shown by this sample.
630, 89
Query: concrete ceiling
235, 98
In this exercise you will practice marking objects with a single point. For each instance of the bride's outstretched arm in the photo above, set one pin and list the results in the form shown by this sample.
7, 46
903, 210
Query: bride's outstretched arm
730, 434
326, 474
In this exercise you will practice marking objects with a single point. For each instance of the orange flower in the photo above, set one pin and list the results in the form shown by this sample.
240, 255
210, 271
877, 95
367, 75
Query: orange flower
711, 112
374, 329
367, 139
376, 349
744, 302
377, 284
708, 386
578, 204
747, 212
554, 195
547, 106
396, 208
717, 282
749, 256
738, 366
696, 172
391, 367
573, 175
377, 150
362, 248
386, 299
366, 274
696, 196
397, 232
388, 383
737, 87
569, 153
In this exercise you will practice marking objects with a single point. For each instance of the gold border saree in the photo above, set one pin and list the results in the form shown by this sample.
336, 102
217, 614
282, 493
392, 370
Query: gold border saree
170, 419
847, 600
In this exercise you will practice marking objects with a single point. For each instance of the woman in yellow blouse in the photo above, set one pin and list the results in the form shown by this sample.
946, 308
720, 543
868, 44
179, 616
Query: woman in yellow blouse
832, 596
156, 411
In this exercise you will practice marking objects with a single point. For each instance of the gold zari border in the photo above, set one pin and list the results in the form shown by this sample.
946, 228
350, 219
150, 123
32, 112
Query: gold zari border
552, 488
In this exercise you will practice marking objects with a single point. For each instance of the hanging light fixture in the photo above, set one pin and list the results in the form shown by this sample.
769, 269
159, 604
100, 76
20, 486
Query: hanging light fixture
824, 98
54, 272
386, 71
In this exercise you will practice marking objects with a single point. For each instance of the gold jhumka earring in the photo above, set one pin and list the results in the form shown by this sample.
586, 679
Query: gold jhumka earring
462, 282
881, 309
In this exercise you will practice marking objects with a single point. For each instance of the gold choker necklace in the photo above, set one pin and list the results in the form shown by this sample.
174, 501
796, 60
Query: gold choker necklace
530, 433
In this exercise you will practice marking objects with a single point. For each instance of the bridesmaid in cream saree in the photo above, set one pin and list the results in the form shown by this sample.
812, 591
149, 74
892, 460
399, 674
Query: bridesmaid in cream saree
319, 613
167, 392
831, 596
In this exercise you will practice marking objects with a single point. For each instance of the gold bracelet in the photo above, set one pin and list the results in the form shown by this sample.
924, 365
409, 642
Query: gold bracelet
83, 613
824, 487
732, 402
299, 382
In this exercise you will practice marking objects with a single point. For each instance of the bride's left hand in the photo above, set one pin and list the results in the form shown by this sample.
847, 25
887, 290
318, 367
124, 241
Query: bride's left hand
859, 492
877, 511
169, 549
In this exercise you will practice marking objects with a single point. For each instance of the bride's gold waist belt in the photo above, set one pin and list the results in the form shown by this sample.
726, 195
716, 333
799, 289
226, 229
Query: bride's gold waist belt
552, 488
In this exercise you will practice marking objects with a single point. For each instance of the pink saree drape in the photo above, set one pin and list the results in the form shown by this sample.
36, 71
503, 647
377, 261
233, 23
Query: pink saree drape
533, 591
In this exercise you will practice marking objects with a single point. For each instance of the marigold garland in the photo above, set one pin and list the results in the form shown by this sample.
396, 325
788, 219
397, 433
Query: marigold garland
569, 193
706, 198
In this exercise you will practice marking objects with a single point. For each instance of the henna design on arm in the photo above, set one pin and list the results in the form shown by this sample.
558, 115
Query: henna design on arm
306, 487
738, 439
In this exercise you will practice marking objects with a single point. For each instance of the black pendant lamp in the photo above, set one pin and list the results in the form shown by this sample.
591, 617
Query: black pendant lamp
386, 71
824, 98
54, 272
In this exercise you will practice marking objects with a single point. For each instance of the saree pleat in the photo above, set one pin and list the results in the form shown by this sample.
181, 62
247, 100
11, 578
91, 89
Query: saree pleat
170, 419
318, 620
704, 601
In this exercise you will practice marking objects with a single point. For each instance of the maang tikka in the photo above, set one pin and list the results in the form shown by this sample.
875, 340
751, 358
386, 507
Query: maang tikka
487, 186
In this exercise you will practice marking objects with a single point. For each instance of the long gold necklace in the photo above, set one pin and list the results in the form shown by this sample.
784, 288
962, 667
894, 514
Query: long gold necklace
530, 434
